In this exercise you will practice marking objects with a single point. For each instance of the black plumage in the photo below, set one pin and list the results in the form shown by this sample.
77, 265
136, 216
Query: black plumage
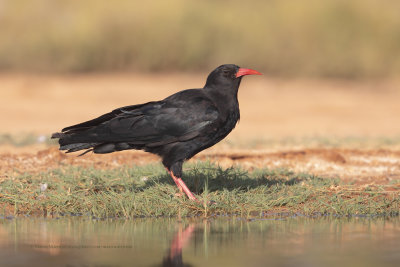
175, 128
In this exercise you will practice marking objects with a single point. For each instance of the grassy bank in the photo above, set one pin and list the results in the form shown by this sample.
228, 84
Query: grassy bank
331, 38
148, 191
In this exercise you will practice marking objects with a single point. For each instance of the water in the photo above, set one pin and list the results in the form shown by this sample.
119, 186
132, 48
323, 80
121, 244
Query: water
299, 241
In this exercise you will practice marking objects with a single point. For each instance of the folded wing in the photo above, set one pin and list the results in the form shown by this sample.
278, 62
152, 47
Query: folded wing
179, 118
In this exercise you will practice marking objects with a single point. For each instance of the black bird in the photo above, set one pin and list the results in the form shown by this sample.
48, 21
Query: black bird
175, 128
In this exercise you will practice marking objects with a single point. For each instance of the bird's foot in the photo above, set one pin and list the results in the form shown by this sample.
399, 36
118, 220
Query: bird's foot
182, 186
185, 189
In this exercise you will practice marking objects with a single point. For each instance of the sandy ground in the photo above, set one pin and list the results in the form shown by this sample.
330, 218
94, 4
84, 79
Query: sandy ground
380, 166
270, 109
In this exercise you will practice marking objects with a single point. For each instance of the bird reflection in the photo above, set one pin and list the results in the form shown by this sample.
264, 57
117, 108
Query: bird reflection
174, 256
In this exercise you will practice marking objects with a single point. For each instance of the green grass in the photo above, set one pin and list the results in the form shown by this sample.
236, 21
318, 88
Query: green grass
148, 191
330, 38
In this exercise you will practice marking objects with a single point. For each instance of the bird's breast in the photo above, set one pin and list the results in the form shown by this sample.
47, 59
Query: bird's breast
226, 124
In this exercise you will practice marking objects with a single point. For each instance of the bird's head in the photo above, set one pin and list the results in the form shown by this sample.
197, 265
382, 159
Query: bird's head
228, 75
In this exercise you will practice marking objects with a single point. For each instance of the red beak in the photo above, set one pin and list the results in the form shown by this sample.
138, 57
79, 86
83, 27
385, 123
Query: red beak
242, 72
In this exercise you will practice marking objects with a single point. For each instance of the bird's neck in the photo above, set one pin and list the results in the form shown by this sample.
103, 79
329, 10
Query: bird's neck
224, 98
225, 93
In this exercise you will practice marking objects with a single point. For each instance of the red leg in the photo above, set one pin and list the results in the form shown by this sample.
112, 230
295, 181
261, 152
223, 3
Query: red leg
182, 186
175, 180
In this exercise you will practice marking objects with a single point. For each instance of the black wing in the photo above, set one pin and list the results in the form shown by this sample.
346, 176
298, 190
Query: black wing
180, 117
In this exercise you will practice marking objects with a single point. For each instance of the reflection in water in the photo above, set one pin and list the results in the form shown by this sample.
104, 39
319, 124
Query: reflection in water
214, 242
181, 239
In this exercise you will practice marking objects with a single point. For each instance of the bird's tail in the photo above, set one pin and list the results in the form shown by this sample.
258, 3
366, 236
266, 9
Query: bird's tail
71, 143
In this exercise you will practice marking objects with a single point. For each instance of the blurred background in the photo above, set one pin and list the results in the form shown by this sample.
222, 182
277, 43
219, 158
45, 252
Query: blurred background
331, 68
331, 38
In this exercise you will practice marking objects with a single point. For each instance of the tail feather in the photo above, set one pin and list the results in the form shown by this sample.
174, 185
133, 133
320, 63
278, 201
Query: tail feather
58, 135
93, 135
77, 146
72, 143
69, 143
87, 151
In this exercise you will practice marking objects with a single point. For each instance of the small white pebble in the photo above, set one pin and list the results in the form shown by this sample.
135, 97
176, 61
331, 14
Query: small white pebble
144, 179
43, 187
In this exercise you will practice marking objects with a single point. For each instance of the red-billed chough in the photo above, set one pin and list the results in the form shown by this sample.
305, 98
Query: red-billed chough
175, 128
